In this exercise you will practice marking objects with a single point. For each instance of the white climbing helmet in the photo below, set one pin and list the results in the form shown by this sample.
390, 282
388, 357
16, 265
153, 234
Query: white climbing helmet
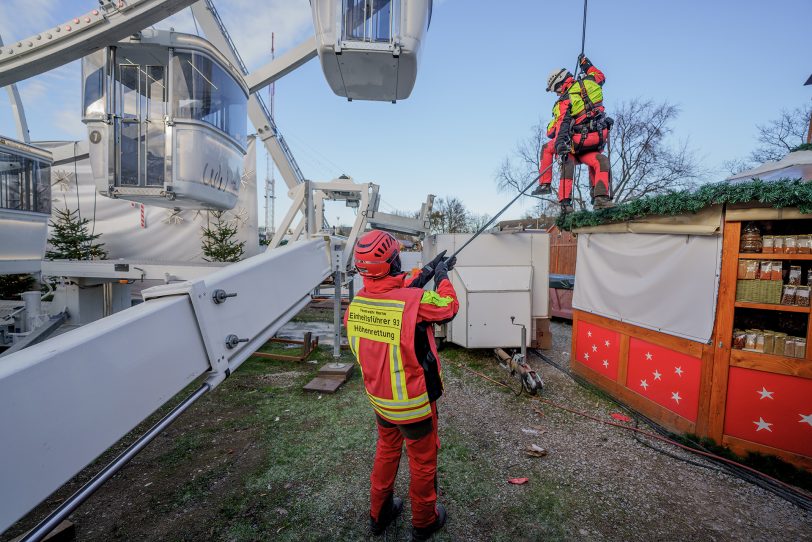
556, 77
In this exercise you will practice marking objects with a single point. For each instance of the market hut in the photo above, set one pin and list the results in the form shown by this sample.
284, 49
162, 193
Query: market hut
693, 308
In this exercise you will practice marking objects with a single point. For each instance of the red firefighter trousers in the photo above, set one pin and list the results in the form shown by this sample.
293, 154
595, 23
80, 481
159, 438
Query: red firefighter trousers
598, 164
422, 454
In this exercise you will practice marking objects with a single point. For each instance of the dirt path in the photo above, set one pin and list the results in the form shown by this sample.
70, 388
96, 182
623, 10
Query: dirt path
259, 459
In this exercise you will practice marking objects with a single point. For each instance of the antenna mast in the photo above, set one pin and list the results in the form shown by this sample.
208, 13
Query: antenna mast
270, 177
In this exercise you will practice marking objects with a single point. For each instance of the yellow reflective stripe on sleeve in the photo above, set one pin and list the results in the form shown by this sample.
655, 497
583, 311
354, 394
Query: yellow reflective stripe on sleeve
390, 404
430, 297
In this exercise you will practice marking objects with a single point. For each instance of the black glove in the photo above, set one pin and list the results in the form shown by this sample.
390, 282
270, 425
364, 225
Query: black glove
427, 272
437, 259
450, 262
562, 148
584, 62
441, 272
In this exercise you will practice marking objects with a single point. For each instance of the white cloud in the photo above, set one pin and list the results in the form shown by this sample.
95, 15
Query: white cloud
23, 18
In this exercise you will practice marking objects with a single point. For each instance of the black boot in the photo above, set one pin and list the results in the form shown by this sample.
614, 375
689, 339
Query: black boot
390, 511
603, 202
424, 533
541, 189
566, 206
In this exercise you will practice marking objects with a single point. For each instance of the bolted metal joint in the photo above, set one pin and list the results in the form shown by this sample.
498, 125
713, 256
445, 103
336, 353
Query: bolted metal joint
232, 341
220, 296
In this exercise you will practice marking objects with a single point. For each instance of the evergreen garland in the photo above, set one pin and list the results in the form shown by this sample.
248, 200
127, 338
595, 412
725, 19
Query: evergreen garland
778, 194
71, 239
804, 147
219, 244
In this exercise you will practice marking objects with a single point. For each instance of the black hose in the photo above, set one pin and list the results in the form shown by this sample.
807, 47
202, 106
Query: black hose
796, 497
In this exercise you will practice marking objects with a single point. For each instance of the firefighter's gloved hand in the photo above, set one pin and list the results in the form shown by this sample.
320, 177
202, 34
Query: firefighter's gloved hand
441, 272
433, 263
450, 262
562, 149
584, 62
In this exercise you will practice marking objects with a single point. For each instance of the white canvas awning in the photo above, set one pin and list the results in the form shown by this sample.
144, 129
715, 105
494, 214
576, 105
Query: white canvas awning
667, 283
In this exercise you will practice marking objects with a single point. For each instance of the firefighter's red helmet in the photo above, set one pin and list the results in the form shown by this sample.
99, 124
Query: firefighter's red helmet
374, 254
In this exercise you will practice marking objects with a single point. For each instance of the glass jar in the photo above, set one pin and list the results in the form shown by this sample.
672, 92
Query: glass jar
800, 347
750, 239
778, 244
780, 344
789, 347
804, 244
767, 244
769, 342
791, 244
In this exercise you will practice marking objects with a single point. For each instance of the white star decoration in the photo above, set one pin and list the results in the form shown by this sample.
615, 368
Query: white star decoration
594, 348
607, 344
606, 363
649, 357
589, 334
761, 424
245, 176
806, 419
676, 397
678, 371
657, 375
765, 394
644, 384
586, 355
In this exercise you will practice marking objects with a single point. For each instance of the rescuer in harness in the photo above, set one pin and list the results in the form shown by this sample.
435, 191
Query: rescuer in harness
578, 133
390, 331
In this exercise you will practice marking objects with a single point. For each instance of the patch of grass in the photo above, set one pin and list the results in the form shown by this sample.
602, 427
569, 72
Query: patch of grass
184, 448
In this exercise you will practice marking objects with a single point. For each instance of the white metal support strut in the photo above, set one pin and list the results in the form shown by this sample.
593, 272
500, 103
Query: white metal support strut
60, 407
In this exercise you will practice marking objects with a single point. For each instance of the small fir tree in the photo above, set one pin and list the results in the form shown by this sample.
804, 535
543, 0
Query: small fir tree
219, 243
71, 240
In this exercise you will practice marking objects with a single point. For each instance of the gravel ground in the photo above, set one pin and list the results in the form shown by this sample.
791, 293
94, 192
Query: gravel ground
617, 488
258, 459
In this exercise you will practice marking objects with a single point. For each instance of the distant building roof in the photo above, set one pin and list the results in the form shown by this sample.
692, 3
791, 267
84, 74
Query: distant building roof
795, 165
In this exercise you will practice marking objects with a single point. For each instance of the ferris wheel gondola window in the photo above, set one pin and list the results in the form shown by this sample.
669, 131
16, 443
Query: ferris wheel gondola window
25, 183
203, 91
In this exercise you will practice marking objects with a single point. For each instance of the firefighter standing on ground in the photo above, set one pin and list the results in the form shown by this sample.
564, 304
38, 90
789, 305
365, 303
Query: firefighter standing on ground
390, 331
578, 133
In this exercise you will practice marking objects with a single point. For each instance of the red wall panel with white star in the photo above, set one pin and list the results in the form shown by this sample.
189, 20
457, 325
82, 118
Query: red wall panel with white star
598, 348
668, 378
770, 409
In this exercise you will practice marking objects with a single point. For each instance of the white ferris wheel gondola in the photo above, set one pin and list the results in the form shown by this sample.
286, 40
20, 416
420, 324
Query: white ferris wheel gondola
369, 49
25, 205
166, 115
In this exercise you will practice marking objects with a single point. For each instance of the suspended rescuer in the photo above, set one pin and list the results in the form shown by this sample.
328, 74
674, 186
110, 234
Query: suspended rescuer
578, 133
390, 330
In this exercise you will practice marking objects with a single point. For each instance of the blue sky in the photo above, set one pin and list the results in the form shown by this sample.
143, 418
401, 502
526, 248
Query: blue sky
729, 65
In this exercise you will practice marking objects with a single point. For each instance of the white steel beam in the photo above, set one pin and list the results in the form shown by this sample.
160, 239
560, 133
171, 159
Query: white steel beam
127, 270
66, 400
282, 65
17, 109
260, 116
80, 36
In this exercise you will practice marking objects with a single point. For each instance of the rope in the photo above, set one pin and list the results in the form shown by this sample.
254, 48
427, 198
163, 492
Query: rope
505, 208
583, 41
